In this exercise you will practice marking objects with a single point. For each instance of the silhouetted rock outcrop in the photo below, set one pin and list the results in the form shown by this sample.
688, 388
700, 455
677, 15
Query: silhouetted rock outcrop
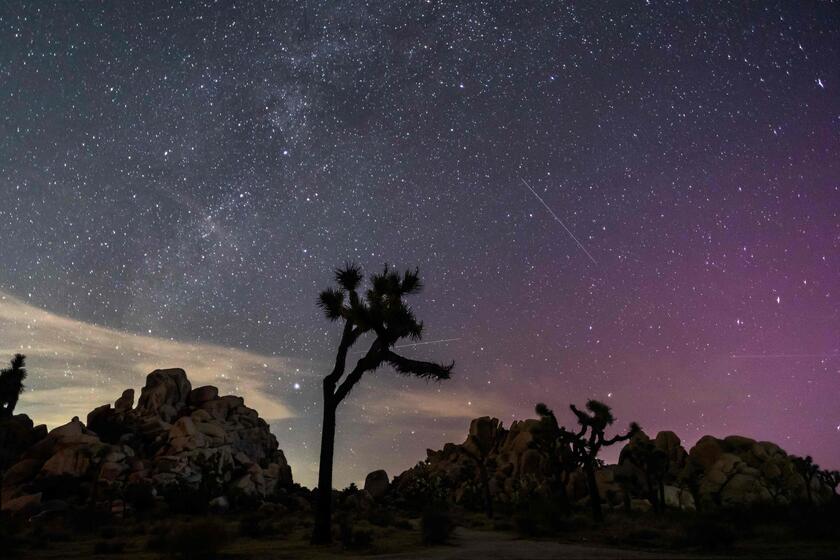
377, 483
17, 434
716, 473
177, 440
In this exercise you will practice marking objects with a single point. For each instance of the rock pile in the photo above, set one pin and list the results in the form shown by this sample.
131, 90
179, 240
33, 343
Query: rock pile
716, 473
176, 441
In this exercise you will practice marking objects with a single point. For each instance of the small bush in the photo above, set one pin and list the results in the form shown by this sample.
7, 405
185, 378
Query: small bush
352, 537
109, 547
187, 500
195, 541
437, 526
256, 526
403, 524
381, 517
140, 496
539, 516
358, 539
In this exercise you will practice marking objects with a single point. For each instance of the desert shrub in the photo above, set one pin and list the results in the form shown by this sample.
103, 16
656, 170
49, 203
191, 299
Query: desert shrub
424, 490
436, 526
709, 534
538, 516
816, 523
256, 526
140, 496
352, 537
286, 526
381, 517
108, 532
88, 520
186, 500
109, 547
193, 541
642, 537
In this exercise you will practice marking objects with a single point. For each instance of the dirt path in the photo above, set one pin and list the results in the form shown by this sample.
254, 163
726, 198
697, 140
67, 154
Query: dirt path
482, 545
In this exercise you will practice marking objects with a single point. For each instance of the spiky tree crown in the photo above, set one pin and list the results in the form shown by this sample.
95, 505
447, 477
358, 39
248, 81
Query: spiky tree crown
16, 372
383, 308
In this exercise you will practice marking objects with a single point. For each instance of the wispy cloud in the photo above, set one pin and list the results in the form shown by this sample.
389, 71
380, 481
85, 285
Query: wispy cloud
76, 366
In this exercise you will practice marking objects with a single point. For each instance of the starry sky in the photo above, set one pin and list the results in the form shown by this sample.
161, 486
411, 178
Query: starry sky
631, 201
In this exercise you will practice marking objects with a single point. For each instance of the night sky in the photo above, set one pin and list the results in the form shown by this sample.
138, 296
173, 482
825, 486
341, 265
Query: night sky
631, 201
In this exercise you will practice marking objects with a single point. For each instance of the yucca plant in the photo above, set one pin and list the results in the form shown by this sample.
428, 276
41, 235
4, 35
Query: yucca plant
380, 310
807, 469
590, 439
11, 384
556, 443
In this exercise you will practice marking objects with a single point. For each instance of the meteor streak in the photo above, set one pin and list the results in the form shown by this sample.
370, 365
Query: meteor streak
441, 341
559, 221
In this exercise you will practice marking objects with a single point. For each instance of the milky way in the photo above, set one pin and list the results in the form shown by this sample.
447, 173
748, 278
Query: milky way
187, 174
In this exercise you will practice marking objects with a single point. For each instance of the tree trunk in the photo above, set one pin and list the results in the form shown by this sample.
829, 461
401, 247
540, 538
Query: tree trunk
594, 495
653, 492
322, 533
561, 493
661, 495
485, 484
808, 490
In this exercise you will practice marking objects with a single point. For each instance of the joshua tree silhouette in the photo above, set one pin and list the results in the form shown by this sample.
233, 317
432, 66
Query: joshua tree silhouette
11, 385
553, 441
479, 450
808, 469
589, 440
830, 479
383, 312
653, 463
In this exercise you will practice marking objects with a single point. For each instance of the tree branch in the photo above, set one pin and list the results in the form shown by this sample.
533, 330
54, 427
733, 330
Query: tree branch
370, 361
625, 437
348, 338
427, 370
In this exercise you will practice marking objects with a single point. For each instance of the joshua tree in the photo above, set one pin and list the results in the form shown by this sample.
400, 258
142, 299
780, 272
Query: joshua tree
830, 479
479, 450
553, 441
808, 470
381, 311
588, 442
11, 385
654, 464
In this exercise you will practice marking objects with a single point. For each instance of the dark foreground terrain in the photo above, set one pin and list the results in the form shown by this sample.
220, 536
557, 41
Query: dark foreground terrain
459, 534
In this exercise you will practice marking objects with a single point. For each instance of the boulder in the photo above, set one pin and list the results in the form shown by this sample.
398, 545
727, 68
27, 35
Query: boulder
23, 505
166, 390
22, 471
201, 395
72, 462
377, 484
18, 433
125, 402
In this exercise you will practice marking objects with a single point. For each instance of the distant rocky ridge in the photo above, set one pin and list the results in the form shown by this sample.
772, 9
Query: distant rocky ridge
715, 473
176, 440
180, 441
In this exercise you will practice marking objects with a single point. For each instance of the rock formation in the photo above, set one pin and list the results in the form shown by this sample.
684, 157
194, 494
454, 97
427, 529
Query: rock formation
716, 473
176, 441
